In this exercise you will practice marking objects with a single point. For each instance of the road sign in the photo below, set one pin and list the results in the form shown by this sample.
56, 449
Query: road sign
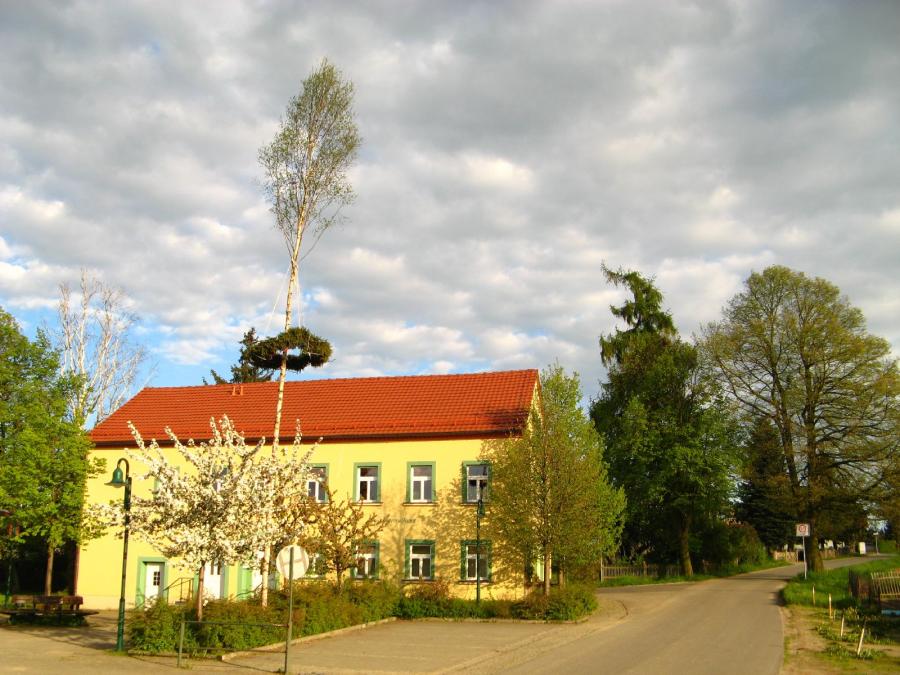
283, 562
802, 529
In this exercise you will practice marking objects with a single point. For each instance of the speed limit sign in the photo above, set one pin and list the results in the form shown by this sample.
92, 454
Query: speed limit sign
802, 529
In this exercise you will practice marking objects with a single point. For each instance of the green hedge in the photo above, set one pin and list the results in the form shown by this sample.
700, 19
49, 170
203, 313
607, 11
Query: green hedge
320, 607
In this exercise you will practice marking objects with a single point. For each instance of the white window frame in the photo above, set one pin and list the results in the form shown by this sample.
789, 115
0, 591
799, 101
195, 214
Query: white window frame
472, 559
315, 485
421, 482
418, 558
370, 482
482, 487
367, 553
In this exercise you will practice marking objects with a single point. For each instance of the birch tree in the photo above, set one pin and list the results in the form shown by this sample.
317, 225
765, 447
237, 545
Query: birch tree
219, 503
307, 185
306, 175
95, 344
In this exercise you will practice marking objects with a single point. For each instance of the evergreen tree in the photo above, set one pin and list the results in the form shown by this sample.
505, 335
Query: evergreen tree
670, 440
244, 370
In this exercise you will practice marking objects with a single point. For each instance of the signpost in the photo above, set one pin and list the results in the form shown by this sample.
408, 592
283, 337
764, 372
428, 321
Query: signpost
803, 531
291, 561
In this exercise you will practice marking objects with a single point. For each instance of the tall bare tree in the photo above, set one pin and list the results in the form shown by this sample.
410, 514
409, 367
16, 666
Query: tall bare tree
95, 343
306, 182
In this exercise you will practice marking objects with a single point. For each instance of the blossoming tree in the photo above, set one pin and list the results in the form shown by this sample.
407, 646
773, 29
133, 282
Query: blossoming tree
221, 503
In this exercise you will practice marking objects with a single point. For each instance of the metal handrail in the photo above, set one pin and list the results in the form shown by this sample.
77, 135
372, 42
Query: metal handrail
180, 583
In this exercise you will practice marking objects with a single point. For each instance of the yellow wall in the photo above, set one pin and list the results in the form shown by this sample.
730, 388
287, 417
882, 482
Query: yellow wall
447, 522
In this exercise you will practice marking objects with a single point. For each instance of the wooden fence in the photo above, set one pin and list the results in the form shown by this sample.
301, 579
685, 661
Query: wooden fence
618, 570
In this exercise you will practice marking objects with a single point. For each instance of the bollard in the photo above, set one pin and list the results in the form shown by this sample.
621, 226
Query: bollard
830, 612
180, 642
862, 634
842, 625
814, 595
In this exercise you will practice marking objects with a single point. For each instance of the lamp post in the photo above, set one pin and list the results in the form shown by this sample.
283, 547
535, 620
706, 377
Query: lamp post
120, 479
479, 513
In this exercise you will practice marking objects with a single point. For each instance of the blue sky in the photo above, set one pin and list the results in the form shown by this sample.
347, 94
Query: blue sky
509, 149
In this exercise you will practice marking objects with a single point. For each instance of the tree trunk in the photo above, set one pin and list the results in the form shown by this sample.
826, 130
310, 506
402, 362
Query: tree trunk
684, 546
199, 599
48, 576
339, 571
295, 252
266, 564
548, 572
562, 577
813, 555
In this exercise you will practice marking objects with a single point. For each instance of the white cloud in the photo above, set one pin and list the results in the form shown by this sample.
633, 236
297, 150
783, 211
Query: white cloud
505, 157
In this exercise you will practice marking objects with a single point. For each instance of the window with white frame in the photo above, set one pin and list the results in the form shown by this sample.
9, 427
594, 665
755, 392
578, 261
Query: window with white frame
421, 480
366, 561
477, 476
421, 559
478, 558
315, 485
367, 483
316, 565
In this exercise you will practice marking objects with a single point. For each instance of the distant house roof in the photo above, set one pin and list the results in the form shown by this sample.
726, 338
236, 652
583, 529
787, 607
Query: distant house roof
475, 405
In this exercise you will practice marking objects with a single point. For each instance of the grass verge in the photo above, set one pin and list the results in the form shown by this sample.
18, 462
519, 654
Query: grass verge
836, 633
727, 571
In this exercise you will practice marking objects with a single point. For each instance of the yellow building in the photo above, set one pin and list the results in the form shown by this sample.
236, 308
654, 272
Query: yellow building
406, 447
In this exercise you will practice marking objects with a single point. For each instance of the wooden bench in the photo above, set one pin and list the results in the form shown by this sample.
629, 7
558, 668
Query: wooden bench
30, 607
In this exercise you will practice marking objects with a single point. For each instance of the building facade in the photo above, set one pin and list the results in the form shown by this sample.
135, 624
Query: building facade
408, 448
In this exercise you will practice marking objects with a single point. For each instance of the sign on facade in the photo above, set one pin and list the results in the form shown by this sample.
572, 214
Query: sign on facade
802, 529
283, 562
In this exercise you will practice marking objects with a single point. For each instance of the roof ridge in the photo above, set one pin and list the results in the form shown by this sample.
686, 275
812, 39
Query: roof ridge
346, 379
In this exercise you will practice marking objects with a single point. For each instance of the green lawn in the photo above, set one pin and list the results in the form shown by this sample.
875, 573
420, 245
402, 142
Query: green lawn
880, 652
799, 591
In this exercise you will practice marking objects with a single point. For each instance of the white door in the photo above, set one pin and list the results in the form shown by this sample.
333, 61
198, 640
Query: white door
212, 582
153, 577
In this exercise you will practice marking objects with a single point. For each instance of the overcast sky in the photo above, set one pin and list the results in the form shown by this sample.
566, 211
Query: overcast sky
509, 149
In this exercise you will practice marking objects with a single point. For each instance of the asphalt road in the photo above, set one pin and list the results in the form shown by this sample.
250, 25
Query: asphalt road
731, 625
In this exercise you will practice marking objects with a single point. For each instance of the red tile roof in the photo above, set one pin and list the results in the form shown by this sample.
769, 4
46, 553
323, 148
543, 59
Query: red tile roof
480, 405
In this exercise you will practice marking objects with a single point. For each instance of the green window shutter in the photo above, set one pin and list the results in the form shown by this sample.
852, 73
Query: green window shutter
463, 545
407, 546
490, 559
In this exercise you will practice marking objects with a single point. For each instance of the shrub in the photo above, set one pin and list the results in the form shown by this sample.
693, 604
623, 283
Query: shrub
563, 604
155, 628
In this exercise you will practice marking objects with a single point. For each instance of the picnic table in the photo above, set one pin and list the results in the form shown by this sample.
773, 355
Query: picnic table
30, 607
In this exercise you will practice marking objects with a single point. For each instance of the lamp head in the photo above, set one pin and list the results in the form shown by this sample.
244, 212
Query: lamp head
118, 478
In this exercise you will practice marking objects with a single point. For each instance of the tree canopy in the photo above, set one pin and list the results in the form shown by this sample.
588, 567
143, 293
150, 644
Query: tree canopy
549, 496
232, 500
792, 350
245, 371
43, 450
670, 440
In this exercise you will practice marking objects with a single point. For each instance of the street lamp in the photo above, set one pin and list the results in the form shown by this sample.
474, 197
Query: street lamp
120, 479
479, 514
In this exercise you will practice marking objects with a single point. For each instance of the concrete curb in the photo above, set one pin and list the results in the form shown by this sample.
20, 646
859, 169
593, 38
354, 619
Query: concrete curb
279, 646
